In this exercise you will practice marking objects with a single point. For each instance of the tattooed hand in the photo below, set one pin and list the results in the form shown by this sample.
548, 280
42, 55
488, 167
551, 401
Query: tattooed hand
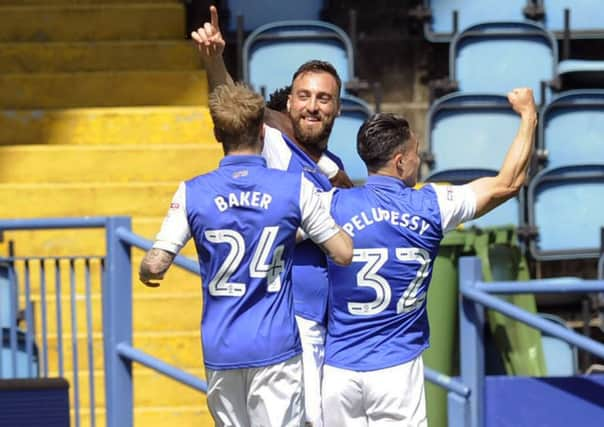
154, 265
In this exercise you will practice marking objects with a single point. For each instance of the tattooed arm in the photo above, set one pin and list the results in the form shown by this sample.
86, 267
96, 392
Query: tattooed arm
154, 265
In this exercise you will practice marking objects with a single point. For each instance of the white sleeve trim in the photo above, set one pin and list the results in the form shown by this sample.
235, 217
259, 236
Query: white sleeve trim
457, 204
328, 167
275, 150
175, 231
316, 222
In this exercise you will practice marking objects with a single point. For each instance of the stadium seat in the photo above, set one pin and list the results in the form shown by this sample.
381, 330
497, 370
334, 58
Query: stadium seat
508, 214
24, 364
469, 12
260, 12
5, 298
469, 131
564, 206
492, 58
560, 356
580, 74
571, 129
586, 20
273, 52
343, 139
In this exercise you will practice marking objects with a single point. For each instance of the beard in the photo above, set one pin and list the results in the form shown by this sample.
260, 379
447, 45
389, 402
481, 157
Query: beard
313, 138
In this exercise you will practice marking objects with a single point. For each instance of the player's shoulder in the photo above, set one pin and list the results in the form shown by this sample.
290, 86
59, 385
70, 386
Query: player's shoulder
423, 197
201, 178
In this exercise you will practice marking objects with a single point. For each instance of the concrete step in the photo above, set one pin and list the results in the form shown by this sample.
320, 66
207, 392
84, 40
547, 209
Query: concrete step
92, 22
153, 311
161, 416
60, 57
108, 163
72, 242
177, 281
118, 125
103, 89
178, 348
150, 388
77, 200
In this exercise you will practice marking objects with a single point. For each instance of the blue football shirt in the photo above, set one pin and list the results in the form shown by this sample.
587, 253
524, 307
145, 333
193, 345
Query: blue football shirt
377, 305
243, 218
309, 274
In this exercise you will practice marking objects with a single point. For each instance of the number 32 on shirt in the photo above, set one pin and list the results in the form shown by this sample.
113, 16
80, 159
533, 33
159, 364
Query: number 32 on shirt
368, 276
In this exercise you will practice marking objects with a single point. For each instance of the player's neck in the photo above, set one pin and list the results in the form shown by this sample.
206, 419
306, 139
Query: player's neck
313, 151
387, 170
244, 152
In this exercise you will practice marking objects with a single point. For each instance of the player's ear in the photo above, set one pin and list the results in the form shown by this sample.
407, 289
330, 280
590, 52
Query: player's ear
398, 161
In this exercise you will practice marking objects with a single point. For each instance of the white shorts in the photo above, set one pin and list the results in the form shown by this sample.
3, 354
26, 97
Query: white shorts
385, 397
270, 396
312, 335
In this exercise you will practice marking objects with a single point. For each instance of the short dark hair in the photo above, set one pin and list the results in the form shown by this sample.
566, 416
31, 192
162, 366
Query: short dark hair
237, 113
278, 99
380, 137
316, 66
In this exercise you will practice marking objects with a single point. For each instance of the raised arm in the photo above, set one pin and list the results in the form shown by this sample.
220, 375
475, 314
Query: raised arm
493, 191
210, 44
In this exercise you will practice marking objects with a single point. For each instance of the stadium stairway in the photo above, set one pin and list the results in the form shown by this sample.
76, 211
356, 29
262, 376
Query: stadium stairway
103, 111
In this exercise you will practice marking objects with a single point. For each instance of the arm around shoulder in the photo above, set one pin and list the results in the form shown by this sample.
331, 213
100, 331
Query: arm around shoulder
338, 248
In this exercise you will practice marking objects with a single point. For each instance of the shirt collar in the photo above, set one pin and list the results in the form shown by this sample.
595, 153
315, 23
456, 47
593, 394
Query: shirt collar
384, 181
243, 160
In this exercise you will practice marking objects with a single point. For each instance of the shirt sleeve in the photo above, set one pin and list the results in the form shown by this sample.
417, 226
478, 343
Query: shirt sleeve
457, 204
275, 150
175, 231
317, 223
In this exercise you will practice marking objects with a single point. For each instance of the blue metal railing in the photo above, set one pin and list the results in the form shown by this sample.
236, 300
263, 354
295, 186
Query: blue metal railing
118, 340
116, 278
469, 412
30, 278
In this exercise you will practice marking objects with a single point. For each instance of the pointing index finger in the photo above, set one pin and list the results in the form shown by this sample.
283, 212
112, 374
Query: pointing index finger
214, 17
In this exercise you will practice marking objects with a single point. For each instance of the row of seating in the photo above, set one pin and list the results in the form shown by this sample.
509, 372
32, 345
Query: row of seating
469, 131
445, 18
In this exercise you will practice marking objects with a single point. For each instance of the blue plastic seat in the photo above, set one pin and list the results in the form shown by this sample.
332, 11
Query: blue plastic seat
6, 297
507, 214
586, 19
560, 356
580, 74
343, 139
24, 364
469, 12
496, 57
571, 129
470, 131
259, 12
273, 52
565, 205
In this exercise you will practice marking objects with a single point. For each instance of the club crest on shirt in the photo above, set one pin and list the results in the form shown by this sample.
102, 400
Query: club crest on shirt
450, 193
